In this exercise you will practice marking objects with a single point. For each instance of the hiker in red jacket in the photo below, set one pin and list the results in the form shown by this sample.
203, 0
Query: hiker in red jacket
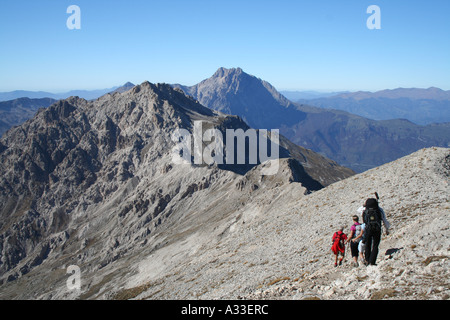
338, 246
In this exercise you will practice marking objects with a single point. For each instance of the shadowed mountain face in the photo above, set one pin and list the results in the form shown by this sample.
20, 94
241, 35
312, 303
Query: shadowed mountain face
93, 184
353, 141
16, 112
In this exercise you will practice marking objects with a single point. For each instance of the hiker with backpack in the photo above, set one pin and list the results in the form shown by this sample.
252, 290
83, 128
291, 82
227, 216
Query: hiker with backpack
338, 246
354, 239
373, 218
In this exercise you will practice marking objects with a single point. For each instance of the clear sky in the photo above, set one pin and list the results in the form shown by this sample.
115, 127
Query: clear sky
294, 45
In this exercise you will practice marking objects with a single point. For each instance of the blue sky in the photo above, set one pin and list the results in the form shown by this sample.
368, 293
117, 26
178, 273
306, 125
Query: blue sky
294, 45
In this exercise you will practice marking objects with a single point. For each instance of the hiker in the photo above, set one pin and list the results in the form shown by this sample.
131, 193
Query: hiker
354, 239
373, 217
338, 246
361, 244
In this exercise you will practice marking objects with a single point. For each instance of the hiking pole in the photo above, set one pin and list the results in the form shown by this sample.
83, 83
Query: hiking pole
345, 251
378, 200
349, 248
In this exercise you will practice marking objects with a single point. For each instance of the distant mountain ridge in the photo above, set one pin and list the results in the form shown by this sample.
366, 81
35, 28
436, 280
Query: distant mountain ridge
421, 106
411, 93
85, 94
295, 95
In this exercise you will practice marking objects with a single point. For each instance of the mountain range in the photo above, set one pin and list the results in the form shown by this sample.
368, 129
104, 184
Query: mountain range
91, 183
308, 94
421, 106
354, 141
351, 140
86, 94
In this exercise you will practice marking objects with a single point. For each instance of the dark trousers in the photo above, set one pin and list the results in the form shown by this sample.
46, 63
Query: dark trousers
373, 238
354, 248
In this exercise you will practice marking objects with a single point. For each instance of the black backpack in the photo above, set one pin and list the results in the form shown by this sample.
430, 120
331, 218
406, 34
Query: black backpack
372, 216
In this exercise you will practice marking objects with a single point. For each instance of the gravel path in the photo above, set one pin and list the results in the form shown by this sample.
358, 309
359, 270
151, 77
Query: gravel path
278, 247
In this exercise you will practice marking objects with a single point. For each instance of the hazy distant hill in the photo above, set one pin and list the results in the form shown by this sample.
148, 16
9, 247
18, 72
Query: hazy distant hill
307, 95
351, 140
421, 106
411, 93
85, 94
127, 86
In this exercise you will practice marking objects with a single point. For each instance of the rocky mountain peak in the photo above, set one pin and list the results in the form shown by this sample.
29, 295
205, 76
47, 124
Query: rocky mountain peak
232, 91
225, 78
224, 72
128, 84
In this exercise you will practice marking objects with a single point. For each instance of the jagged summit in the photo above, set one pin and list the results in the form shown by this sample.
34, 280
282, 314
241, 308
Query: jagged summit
223, 72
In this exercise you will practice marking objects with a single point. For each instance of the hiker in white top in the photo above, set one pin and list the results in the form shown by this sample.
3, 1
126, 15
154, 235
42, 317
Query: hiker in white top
354, 238
361, 244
